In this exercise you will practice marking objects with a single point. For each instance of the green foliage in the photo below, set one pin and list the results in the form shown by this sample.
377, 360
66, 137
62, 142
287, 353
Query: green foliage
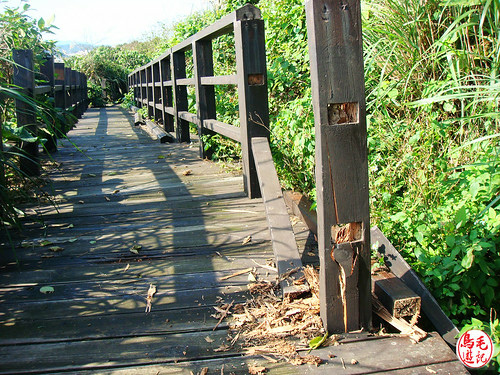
20, 31
108, 68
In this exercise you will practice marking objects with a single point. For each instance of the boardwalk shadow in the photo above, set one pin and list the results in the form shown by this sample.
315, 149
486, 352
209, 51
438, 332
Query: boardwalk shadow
128, 219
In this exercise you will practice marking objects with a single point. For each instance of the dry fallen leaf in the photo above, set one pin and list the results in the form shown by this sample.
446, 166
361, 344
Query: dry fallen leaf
116, 191
204, 371
354, 362
247, 240
187, 172
56, 249
46, 243
107, 199
208, 339
81, 202
256, 370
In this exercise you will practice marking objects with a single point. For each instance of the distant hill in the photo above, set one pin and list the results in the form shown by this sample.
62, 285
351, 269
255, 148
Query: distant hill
74, 48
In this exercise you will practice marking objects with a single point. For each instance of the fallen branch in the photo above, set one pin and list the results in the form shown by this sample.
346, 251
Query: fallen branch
238, 273
224, 314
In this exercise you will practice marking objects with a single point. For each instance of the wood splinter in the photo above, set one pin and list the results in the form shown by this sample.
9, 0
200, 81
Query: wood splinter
149, 298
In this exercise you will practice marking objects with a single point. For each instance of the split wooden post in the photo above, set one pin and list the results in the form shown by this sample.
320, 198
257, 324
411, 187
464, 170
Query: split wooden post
178, 69
337, 79
205, 95
24, 78
252, 93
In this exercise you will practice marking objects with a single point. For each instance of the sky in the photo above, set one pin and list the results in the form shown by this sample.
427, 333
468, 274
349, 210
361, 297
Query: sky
108, 22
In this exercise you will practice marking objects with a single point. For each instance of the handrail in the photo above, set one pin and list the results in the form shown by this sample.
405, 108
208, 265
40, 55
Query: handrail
160, 86
66, 86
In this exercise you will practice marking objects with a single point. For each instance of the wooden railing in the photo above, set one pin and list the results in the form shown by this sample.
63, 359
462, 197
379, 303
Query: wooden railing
335, 50
161, 87
66, 86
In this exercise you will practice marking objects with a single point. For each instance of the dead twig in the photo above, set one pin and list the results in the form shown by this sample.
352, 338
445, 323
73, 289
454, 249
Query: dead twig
224, 314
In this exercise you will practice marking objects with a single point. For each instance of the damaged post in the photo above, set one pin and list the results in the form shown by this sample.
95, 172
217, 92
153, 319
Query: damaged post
337, 80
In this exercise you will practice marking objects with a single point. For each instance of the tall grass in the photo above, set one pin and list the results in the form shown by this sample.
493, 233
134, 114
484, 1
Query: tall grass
433, 98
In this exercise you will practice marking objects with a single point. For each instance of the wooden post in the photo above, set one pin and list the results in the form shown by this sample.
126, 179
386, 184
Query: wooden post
178, 69
168, 92
59, 81
252, 94
25, 79
157, 92
337, 80
47, 72
205, 95
149, 92
144, 95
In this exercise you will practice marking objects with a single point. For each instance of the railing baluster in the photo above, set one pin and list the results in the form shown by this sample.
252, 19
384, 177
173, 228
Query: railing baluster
203, 63
178, 69
252, 94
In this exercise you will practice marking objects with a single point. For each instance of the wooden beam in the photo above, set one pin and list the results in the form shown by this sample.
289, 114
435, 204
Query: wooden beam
285, 249
224, 129
397, 298
337, 81
401, 269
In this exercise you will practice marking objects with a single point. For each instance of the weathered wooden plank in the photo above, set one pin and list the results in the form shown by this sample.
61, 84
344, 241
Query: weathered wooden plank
185, 82
157, 133
42, 89
337, 81
220, 80
401, 269
302, 207
220, 27
285, 248
226, 130
189, 117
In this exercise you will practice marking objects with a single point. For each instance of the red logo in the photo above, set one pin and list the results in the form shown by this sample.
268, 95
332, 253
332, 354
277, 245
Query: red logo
474, 348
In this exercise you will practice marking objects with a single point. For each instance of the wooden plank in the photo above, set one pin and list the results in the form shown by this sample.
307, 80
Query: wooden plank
188, 116
302, 207
401, 269
335, 50
185, 82
226, 130
42, 89
285, 248
157, 133
220, 80
170, 110
220, 27
252, 94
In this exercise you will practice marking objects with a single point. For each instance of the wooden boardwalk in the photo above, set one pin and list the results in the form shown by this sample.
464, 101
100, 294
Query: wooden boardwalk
131, 212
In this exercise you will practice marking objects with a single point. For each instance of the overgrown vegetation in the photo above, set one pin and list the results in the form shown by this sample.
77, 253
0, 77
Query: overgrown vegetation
20, 31
107, 69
